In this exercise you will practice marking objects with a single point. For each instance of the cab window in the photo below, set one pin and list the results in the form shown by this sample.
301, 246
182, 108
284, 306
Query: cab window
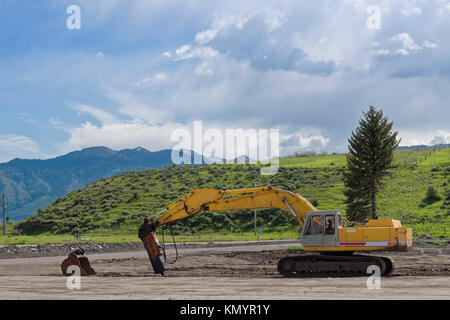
329, 224
314, 225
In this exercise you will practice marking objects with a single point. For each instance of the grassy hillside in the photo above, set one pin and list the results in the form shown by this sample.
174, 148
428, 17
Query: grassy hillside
118, 204
314, 161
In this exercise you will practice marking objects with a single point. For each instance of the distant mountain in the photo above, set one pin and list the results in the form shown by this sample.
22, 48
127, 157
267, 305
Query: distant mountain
422, 146
33, 184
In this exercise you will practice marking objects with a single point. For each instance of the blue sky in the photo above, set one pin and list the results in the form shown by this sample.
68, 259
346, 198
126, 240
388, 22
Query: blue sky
138, 70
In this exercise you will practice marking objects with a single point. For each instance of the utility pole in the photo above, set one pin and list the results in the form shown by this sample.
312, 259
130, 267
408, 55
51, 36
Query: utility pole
4, 216
254, 215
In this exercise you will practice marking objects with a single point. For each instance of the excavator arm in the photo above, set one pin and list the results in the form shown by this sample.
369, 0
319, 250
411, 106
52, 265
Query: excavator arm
203, 200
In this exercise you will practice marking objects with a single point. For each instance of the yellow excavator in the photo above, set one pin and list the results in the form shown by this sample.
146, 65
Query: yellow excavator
322, 232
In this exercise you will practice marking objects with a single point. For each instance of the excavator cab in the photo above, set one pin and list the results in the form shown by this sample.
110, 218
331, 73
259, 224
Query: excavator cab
321, 228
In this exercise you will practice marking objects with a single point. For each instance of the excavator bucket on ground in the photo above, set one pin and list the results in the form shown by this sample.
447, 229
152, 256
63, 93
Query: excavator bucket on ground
76, 258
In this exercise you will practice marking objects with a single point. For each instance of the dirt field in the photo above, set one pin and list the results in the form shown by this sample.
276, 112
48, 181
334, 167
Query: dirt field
239, 272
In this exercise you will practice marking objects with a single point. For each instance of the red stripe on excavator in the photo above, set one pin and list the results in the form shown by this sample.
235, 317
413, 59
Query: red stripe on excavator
352, 243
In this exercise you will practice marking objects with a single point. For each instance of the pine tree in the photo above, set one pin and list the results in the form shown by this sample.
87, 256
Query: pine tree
371, 151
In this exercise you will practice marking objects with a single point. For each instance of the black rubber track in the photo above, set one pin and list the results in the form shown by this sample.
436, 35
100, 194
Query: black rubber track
332, 265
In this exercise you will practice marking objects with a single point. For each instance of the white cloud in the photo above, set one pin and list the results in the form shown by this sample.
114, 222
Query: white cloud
274, 19
430, 45
382, 52
407, 42
256, 38
131, 105
17, 146
403, 52
441, 138
304, 140
412, 11
221, 23
424, 137
205, 36
161, 76
188, 52
122, 135
203, 69
183, 50
101, 115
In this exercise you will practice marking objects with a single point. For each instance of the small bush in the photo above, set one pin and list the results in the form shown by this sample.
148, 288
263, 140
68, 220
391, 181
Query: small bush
432, 195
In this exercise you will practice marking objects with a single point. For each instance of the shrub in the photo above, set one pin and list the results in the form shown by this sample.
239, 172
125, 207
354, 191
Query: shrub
432, 195
120, 220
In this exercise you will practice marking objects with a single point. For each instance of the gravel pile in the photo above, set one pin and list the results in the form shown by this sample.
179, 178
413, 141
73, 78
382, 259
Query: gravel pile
46, 250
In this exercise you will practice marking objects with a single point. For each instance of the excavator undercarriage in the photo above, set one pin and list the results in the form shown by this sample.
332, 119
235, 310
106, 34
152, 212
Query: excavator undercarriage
325, 265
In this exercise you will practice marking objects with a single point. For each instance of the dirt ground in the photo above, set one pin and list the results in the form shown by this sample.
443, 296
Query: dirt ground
254, 265
220, 273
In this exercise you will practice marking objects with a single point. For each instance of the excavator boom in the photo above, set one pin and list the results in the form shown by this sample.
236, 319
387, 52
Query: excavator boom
202, 200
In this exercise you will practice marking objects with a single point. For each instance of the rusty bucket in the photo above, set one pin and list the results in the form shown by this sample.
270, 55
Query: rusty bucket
77, 258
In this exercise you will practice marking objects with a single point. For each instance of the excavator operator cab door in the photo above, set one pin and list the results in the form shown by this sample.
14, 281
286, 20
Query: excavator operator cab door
321, 228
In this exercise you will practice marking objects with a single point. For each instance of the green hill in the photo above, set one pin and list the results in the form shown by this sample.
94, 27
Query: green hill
119, 203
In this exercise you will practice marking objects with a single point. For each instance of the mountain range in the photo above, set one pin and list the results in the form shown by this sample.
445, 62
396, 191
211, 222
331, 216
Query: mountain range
422, 146
33, 184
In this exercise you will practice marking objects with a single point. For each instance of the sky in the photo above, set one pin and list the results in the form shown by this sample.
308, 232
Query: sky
137, 70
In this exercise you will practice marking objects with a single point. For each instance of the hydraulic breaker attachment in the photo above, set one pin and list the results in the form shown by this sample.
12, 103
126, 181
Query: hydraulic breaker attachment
148, 236
76, 258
